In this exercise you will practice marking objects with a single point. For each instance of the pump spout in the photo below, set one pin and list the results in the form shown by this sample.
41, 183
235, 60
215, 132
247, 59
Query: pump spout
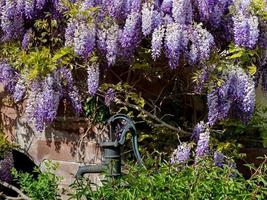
89, 169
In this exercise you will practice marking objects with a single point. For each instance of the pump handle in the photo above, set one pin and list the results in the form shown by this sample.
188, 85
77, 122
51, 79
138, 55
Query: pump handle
129, 127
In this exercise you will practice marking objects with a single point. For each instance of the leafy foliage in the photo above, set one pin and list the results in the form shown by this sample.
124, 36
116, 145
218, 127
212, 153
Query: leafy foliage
44, 187
161, 180
96, 110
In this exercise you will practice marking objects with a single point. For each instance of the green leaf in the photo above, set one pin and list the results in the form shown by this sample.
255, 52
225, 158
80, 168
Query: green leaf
252, 69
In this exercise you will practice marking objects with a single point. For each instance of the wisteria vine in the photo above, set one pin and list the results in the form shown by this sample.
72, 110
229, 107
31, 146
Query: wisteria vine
185, 32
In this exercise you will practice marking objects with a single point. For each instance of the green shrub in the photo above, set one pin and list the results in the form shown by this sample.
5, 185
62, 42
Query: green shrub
198, 181
45, 186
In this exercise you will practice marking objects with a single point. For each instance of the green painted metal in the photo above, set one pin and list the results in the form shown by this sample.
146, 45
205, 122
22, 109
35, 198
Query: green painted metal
112, 149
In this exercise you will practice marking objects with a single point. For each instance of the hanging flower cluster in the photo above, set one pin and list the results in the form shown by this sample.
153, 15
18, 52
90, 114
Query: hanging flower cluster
181, 154
109, 97
246, 30
185, 32
43, 96
201, 134
235, 97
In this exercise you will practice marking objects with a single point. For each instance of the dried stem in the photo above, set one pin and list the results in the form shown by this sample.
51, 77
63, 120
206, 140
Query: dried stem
22, 196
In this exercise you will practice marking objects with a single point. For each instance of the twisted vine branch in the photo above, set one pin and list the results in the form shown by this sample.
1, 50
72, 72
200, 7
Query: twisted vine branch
21, 196
161, 123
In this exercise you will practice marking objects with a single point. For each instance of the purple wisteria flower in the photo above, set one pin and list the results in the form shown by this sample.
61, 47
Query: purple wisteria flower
6, 165
130, 36
133, 5
40, 4
147, 17
65, 76
202, 44
84, 39
65, 83
27, 39
235, 97
157, 41
34, 92
42, 102
20, 90
109, 97
246, 30
76, 100
46, 109
166, 6
11, 21
9, 77
181, 154
199, 128
20, 6
114, 8
29, 8
175, 42
213, 11
182, 11
112, 44
86, 4
201, 80
70, 33
218, 158
203, 143
101, 42
93, 78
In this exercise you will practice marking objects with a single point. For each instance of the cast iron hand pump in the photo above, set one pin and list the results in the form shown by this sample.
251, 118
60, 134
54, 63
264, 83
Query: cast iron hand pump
112, 148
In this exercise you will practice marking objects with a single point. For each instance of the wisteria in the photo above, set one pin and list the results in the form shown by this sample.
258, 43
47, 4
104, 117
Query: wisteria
157, 41
112, 44
69, 33
181, 32
8, 77
236, 97
219, 158
147, 18
246, 30
131, 36
166, 6
109, 97
202, 44
181, 154
199, 128
20, 90
182, 11
29, 9
40, 4
175, 41
203, 143
75, 99
11, 21
93, 78
44, 97
27, 39
84, 39
6, 165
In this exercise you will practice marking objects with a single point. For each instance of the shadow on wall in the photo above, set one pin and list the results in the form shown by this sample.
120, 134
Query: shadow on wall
23, 163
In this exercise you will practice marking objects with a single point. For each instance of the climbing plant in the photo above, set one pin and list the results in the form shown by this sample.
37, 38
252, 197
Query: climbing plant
55, 50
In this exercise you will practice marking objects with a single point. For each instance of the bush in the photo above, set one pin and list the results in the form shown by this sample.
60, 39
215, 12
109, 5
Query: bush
203, 180
44, 187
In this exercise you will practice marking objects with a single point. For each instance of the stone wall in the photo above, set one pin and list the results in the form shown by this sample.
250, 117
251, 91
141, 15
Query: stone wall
67, 141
